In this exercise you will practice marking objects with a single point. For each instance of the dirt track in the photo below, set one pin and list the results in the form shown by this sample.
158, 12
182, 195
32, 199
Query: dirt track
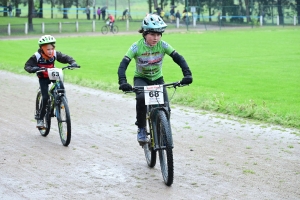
215, 157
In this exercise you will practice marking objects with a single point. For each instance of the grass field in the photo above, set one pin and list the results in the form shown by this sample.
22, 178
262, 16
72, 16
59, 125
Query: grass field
251, 73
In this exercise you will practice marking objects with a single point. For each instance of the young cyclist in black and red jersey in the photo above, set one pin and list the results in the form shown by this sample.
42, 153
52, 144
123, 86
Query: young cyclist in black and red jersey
111, 19
148, 53
45, 57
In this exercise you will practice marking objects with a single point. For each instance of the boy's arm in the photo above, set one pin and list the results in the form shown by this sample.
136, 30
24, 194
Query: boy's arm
31, 65
63, 58
122, 70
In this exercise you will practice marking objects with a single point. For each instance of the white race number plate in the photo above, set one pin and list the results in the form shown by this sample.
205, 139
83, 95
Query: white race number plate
55, 74
153, 94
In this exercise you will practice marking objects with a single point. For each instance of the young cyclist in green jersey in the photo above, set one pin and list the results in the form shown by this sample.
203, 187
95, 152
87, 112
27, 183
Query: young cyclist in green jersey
148, 53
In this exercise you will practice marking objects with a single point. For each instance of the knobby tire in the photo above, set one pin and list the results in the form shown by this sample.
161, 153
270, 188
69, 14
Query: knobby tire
104, 30
47, 119
115, 29
150, 153
165, 152
64, 121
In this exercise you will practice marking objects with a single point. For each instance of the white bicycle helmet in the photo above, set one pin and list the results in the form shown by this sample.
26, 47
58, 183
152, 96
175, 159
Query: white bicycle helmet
46, 39
153, 23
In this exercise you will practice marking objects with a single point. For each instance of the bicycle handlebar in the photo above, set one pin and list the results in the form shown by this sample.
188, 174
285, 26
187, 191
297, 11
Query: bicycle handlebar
63, 68
168, 85
71, 67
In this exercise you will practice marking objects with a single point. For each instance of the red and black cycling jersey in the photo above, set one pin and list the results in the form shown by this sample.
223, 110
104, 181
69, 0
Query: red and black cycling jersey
37, 60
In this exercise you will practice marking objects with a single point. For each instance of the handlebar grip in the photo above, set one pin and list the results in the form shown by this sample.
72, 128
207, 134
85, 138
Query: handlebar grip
41, 70
73, 67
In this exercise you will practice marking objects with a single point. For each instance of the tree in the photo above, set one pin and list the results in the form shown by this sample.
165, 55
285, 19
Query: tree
280, 13
16, 4
41, 9
155, 4
298, 9
163, 3
52, 6
30, 10
150, 6
64, 5
4, 4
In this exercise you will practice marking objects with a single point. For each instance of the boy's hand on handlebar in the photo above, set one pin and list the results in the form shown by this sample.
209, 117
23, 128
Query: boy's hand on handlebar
188, 79
74, 64
41, 70
35, 69
125, 87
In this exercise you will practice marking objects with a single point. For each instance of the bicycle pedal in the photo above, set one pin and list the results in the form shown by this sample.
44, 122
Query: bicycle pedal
41, 128
143, 143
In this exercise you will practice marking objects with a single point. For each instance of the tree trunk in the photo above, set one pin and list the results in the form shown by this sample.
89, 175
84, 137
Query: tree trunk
298, 10
52, 6
155, 4
77, 6
30, 10
41, 9
17, 2
5, 4
65, 16
247, 10
150, 6
172, 2
280, 13
209, 13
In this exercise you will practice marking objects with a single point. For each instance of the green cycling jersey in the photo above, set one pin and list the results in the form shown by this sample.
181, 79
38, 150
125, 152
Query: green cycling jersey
149, 59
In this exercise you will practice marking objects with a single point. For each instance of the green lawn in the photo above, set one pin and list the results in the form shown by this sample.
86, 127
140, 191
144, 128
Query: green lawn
251, 73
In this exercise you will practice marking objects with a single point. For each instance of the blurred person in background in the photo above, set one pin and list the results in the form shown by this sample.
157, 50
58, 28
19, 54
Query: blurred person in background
88, 12
125, 12
99, 13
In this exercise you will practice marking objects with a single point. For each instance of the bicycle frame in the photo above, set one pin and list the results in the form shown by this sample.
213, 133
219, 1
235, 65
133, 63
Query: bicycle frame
56, 92
57, 100
159, 128
151, 112
153, 108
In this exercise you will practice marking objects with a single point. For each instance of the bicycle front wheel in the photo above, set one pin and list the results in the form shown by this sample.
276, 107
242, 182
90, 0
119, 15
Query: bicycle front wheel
64, 121
115, 29
104, 30
165, 151
150, 153
47, 119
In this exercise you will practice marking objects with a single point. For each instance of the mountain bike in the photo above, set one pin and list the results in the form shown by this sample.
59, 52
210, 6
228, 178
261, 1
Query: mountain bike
57, 105
107, 28
158, 128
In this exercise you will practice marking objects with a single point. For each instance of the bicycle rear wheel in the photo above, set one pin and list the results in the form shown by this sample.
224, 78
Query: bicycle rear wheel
150, 153
115, 29
165, 151
104, 30
64, 121
47, 119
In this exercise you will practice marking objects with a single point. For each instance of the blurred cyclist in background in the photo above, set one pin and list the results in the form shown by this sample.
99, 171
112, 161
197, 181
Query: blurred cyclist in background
111, 19
125, 12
